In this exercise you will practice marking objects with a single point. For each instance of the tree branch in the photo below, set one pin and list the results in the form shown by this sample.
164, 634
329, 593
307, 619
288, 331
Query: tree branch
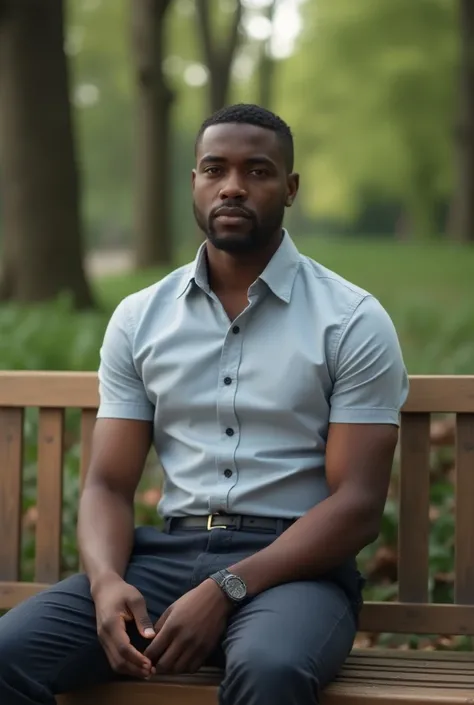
204, 22
218, 54
161, 8
229, 48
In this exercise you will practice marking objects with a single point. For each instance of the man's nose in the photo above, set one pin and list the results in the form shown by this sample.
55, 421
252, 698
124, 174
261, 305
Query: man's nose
233, 188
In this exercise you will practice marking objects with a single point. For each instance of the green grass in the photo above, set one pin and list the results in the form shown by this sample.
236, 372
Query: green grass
426, 288
388, 270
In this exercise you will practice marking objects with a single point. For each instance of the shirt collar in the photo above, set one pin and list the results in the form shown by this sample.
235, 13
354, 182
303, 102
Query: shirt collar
196, 273
279, 274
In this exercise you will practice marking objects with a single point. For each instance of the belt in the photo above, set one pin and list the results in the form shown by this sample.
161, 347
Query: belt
236, 522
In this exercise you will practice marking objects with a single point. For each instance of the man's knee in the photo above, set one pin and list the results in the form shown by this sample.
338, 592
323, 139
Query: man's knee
16, 666
10, 645
265, 675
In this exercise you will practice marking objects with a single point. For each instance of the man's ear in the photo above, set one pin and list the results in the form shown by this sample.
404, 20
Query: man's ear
293, 186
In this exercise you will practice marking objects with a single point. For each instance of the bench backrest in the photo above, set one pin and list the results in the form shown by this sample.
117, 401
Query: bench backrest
52, 393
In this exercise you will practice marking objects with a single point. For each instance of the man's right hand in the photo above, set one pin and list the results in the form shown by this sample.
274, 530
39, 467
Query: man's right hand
116, 603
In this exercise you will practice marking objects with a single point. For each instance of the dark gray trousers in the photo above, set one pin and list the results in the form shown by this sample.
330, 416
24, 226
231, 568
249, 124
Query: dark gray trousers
279, 649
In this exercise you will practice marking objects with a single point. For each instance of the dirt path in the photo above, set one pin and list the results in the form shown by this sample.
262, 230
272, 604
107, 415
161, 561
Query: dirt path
100, 262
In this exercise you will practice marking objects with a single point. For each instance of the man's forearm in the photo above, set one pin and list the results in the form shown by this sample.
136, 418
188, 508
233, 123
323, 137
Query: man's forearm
325, 537
105, 532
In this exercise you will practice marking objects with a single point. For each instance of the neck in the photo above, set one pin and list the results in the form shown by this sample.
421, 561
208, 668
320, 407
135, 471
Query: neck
232, 272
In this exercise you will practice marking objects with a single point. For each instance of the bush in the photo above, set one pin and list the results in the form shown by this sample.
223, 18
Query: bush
50, 337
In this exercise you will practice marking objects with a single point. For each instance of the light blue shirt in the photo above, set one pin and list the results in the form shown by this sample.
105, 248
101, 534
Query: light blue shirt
241, 408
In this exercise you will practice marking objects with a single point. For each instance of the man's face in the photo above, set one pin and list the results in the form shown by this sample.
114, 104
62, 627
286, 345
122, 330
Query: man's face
241, 187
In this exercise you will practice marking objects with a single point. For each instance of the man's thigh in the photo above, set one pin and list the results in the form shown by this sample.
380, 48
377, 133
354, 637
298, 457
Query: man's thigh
293, 637
51, 639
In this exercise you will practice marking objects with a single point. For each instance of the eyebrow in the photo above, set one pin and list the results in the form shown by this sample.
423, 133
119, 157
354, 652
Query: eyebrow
257, 159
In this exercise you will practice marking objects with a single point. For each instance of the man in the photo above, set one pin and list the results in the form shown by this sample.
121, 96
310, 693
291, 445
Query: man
271, 389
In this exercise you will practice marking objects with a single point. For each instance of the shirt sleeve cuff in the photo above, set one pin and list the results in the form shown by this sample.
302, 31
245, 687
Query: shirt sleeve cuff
134, 412
382, 416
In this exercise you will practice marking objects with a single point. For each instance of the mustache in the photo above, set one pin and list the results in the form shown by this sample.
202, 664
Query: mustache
232, 204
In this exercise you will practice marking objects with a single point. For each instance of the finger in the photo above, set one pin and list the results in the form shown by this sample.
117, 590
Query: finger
193, 666
137, 607
184, 664
191, 661
126, 652
120, 665
159, 645
173, 654
159, 624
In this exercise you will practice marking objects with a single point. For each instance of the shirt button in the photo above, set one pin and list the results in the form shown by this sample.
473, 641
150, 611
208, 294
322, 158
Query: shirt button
229, 431
235, 330
227, 380
228, 472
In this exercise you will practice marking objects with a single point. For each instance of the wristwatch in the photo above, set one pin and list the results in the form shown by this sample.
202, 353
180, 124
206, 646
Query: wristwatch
231, 585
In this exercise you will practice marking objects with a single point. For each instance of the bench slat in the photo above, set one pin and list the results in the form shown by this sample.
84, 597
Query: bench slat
464, 564
50, 476
448, 394
428, 394
12, 593
49, 389
11, 473
403, 618
409, 677
142, 693
413, 557
88, 418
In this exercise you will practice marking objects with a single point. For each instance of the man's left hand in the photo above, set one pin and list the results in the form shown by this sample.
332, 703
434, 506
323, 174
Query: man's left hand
189, 630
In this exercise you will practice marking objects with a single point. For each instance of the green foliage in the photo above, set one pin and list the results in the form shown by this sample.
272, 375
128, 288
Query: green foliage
50, 337
370, 94
377, 122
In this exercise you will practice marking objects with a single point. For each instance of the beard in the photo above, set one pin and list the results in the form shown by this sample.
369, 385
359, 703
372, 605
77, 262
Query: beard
256, 236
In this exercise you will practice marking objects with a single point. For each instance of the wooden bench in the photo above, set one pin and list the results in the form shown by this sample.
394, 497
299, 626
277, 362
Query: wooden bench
371, 676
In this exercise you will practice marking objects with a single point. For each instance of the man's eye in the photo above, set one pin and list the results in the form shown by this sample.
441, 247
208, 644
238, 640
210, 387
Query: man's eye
213, 170
259, 172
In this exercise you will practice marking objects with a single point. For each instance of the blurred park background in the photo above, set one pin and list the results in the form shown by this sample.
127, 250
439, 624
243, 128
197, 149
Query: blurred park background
100, 101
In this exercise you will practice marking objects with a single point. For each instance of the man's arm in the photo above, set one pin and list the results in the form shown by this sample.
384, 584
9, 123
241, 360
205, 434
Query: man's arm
370, 387
358, 466
121, 442
106, 522
105, 534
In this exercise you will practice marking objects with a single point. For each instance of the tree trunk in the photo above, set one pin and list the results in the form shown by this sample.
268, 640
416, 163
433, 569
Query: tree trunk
266, 66
218, 55
154, 243
42, 243
462, 208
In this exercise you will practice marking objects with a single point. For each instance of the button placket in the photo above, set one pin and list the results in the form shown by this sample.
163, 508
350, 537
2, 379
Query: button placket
227, 474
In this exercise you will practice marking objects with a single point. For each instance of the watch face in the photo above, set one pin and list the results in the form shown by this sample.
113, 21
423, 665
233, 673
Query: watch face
235, 588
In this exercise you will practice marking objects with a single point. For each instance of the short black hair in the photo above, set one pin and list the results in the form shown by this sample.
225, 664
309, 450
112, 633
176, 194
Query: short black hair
250, 114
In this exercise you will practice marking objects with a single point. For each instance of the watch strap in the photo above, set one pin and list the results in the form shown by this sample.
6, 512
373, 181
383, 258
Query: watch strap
220, 577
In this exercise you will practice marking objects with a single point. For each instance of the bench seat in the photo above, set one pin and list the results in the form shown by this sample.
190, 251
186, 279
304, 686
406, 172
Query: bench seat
384, 677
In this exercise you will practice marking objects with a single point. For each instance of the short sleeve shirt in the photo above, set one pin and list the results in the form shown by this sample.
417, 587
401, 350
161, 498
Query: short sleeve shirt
241, 409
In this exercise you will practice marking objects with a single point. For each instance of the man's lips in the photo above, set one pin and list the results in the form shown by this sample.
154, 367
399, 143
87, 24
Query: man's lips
231, 213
